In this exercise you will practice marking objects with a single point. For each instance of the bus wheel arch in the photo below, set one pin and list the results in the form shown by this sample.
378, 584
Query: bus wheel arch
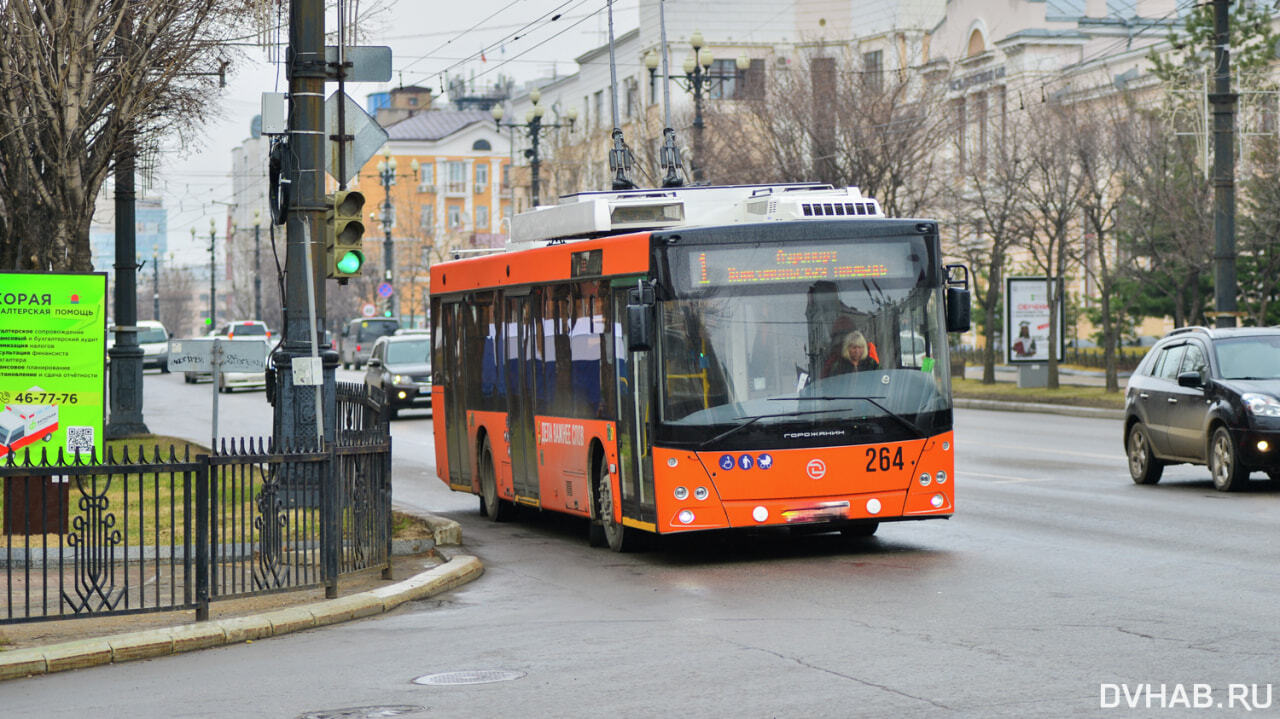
491, 505
619, 537
595, 525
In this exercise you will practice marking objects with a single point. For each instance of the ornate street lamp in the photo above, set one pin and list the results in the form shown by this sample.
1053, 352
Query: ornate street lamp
533, 127
697, 80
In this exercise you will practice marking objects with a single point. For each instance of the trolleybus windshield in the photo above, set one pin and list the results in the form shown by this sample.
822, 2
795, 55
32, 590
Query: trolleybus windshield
754, 355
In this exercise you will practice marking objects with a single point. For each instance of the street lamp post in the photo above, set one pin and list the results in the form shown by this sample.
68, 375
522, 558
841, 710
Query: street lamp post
155, 282
387, 174
213, 276
697, 80
533, 127
257, 269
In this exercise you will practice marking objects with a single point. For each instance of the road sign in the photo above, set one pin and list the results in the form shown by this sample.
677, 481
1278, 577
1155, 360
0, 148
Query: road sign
368, 64
196, 355
385, 289
368, 310
367, 133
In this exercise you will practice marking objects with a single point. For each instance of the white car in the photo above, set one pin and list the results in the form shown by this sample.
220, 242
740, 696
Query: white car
153, 339
228, 381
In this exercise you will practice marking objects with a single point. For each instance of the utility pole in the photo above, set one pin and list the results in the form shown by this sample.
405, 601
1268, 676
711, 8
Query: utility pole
155, 282
295, 420
1224, 191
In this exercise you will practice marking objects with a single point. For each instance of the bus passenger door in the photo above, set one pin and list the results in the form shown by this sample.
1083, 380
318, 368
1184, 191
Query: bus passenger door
635, 388
522, 358
455, 403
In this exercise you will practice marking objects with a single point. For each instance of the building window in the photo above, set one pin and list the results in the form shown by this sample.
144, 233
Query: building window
481, 146
482, 174
873, 69
457, 177
427, 218
455, 217
427, 178
599, 106
726, 86
633, 97
506, 176
482, 217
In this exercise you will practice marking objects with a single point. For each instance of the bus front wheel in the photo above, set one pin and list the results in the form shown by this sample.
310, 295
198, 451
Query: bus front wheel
618, 537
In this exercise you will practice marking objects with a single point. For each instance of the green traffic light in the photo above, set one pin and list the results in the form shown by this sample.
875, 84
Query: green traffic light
350, 262
208, 321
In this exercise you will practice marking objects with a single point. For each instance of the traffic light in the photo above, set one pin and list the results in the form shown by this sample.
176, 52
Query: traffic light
344, 235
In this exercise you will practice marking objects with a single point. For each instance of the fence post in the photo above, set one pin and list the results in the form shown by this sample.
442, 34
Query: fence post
385, 493
330, 532
203, 479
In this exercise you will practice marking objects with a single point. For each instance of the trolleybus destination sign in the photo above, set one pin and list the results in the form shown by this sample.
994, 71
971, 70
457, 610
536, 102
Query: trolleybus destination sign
52, 361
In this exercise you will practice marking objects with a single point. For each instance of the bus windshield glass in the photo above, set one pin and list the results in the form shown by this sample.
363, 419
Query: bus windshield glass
799, 356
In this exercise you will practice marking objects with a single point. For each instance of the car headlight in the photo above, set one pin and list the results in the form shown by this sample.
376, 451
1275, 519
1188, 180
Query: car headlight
1261, 405
397, 379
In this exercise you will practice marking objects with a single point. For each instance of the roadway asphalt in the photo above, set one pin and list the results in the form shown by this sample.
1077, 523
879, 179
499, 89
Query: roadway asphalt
455, 570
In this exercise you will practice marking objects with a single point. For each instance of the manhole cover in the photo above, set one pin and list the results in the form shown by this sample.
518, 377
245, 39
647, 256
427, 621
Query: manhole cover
362, 712
483, 676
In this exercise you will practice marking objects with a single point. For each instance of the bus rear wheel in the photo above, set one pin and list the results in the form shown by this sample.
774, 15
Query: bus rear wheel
618, 537
490, 505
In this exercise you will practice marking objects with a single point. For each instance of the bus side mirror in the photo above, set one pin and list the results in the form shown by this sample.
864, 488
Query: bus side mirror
957, 298
640, 329
957, 310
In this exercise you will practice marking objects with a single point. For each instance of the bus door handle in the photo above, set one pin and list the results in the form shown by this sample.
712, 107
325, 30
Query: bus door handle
1143, 395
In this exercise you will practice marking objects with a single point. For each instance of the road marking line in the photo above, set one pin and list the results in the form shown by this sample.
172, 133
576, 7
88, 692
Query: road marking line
1005, 479
1054, 451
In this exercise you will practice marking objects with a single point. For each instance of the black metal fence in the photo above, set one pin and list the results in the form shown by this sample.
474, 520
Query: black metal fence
140, 532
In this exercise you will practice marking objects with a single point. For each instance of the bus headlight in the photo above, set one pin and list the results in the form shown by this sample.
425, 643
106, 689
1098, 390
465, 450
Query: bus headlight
686, 517
942, 476
937, 501
873, 506
925, 479
700, 493
682, 493
760, 513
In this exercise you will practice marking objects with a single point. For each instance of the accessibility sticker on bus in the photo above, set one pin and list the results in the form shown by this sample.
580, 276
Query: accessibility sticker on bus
52, 362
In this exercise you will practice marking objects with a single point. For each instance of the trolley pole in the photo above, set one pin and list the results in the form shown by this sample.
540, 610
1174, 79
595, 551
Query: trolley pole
295, 420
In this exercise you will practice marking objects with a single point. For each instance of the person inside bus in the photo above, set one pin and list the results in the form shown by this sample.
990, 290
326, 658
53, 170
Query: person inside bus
854, 355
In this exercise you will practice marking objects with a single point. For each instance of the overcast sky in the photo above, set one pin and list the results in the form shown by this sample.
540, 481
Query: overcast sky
428, 38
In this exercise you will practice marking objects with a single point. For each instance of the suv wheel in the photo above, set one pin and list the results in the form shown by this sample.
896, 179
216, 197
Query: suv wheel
1224, 462
1143, 465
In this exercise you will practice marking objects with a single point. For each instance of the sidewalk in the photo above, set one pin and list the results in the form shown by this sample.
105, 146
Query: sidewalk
420, 569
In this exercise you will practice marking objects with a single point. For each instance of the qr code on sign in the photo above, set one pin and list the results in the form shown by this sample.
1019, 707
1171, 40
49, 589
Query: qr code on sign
79, 439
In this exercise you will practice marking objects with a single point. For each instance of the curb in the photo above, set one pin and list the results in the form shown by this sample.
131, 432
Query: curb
1063, 409
153, 643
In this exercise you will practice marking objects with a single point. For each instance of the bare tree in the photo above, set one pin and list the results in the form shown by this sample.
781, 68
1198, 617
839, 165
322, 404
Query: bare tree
841, 121
78, 80
988, 200
1051, 202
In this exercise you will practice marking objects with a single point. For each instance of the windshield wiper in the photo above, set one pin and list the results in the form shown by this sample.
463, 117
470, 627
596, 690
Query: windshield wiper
903, 420
748, 421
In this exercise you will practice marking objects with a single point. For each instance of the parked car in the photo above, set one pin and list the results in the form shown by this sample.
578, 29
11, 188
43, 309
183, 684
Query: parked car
1206, 396
401, 367
228, 381
153, 339
355, 342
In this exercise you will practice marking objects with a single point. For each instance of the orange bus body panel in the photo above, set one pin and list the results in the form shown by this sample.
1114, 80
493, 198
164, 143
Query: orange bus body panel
494, 426
800, 486
564, 460
622, 255
437, 429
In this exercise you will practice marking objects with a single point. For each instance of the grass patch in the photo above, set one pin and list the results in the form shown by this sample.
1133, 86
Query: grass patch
407, 526
1075, 395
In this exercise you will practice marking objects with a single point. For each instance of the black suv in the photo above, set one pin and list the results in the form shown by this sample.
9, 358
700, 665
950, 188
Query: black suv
401, 366
1206, 396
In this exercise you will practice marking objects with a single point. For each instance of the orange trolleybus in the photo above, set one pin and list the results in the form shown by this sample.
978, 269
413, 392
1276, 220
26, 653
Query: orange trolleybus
677, 360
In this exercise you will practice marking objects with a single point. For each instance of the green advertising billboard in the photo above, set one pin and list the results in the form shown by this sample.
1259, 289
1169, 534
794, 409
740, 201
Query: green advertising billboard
52, 362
